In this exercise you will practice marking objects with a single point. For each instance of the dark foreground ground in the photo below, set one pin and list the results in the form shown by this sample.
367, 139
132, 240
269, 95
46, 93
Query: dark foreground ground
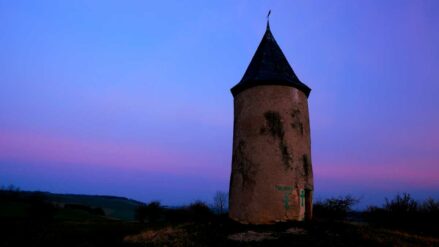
218, 232
41, 219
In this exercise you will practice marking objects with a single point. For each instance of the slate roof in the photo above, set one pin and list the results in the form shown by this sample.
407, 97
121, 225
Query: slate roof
269, 67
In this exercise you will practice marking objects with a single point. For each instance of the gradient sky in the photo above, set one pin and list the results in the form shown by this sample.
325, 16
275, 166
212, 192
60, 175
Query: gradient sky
132, 98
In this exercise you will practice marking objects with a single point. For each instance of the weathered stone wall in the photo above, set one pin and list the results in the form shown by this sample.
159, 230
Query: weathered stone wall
271, 164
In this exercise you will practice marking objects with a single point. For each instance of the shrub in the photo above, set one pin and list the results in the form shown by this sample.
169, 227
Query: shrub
151, 212
403, 212
199, 211
402, 204
177, 215
334, 208
429, 213
10, 192
430, 206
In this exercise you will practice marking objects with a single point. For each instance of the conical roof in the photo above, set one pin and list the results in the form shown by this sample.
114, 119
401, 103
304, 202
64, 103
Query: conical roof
269, 67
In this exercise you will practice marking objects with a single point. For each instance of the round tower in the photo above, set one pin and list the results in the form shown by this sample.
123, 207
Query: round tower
272, 179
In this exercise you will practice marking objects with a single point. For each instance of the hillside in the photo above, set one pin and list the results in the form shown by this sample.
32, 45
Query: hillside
113, 206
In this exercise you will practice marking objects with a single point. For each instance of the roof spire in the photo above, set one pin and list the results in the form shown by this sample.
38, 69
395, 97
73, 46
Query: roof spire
269, 66
268, 19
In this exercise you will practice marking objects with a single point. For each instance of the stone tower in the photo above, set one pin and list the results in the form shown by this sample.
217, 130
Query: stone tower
272, 178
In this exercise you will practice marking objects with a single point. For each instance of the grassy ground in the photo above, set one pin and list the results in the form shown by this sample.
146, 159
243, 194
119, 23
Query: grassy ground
26, 221
220, 232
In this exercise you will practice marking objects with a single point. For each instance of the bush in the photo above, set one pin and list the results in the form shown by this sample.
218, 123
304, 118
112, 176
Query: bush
375, 214
151, 212
10, 188
402, 204
430, 206
429, 213
177, 215
403, 212
199, 211
10, 192
334, 208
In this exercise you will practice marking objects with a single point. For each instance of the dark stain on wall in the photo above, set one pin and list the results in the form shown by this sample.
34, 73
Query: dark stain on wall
287, 158
274, 124
297, 124
276, 130
243, 166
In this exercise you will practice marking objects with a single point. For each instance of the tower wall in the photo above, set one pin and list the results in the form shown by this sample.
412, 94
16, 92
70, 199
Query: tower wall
271, 178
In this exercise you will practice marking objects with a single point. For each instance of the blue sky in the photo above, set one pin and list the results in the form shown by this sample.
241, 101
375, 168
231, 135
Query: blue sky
132, 97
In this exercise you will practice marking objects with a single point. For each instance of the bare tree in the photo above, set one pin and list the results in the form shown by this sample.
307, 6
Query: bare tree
220, 201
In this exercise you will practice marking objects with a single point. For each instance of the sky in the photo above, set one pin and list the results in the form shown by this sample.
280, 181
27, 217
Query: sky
132, 98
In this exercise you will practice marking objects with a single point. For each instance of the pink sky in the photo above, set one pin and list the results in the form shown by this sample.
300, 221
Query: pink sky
132, 98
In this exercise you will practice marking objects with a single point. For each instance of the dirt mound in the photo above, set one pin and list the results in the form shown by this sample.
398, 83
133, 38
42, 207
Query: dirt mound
168, 236
251, 236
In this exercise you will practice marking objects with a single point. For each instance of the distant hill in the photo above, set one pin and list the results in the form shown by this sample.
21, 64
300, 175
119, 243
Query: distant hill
114, 207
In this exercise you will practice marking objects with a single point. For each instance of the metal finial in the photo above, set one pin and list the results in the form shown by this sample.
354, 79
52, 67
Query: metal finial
268, 19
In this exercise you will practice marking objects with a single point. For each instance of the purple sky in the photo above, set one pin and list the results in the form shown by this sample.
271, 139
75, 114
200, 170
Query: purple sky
132, 98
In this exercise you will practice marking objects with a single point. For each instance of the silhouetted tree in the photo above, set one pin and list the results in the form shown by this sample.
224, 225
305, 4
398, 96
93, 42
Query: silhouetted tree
401, 204
430, 206
10, 188
335, 208
150, 212
10, 192
429, 213
403, 212
220, 201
